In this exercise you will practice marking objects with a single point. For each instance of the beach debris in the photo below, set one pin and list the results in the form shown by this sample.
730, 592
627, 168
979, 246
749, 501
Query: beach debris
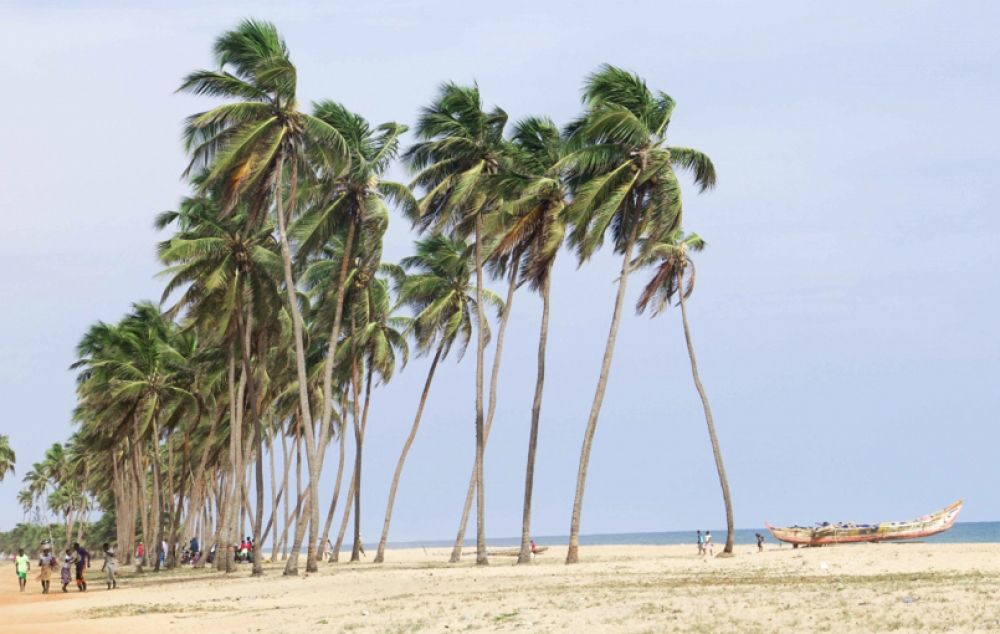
908, 599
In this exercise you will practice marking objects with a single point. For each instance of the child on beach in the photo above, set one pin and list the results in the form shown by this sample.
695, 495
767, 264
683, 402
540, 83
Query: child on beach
67, 569
701, 544
21, 566
708, 547
109, 565
46, 563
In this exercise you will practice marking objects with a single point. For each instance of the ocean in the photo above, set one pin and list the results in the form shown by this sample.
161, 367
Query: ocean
960, 533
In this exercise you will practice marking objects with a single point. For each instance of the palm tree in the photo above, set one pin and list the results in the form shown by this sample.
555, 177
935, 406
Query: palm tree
7, 457
437, 290
622, 173
460, 148
253, 148
376, 341
536, 197
230, 271
670, 257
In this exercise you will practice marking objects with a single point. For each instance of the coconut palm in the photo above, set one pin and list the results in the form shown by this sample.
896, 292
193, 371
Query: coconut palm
534, 224
7, 457
351, 203
229, 271
140, 365
437, 290
376, 341
460, 149
671, 261
623, 179
253, 149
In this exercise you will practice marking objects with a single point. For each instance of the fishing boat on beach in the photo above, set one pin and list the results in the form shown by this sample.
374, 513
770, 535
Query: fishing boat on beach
849, 532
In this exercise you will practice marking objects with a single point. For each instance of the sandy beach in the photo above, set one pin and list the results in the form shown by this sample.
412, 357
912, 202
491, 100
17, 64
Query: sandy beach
871, 588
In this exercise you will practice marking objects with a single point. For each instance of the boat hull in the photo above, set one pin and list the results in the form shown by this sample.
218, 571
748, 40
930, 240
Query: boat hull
887, 531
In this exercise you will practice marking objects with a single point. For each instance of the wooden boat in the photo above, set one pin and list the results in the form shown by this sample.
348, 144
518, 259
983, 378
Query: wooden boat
848, 532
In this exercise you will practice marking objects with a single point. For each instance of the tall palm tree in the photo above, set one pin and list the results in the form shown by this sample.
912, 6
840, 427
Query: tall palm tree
376, 341
254, 149
437, 290
230, 270
7, 457
534, 224
622, 173
353, 203
671, 261
460, 148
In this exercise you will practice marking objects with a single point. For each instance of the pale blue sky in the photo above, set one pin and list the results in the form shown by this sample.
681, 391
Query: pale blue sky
846, 310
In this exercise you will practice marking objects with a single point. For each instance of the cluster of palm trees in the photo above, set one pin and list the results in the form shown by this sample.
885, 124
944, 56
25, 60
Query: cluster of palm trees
280, 319
63, 484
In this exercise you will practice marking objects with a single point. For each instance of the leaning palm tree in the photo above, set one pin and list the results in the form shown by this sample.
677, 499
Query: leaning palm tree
534, 223
437, 290
254, 149
376, 341
460, 149
622, 173
671, 261
351, 203
7, 457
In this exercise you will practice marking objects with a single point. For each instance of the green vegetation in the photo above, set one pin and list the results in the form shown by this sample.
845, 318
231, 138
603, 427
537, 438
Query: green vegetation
280, 320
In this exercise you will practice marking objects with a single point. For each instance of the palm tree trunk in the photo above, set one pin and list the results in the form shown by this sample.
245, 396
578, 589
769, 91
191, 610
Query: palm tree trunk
481, 559
348, 505
524, 556
380, 555
201, 481
456, 551
340, 476
359, 438
716, 452
298, 325
234, 520
157, 484
572, 553
292, 563
311, 557
274, 501
258, 518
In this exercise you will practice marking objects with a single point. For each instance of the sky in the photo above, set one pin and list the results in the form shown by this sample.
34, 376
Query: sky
845, 316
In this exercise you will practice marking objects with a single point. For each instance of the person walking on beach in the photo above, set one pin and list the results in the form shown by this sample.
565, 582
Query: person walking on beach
82, 561
701, 544
21, 566
45, 565
66, 575
708, 548
760, 543
109, 565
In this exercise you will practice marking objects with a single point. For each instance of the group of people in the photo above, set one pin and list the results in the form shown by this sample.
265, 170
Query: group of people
75, 561
706, 547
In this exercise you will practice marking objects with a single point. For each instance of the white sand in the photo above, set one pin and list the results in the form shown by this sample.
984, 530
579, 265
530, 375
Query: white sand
869, 588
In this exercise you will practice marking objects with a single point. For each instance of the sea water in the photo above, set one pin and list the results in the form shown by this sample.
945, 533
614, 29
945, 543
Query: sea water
960, 533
